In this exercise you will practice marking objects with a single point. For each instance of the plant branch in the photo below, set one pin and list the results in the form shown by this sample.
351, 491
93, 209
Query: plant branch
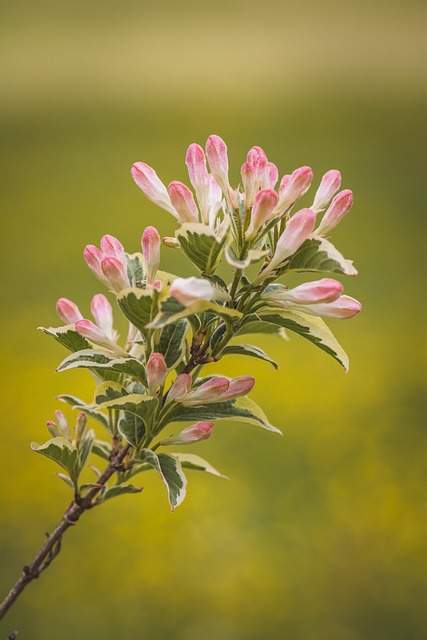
51, 548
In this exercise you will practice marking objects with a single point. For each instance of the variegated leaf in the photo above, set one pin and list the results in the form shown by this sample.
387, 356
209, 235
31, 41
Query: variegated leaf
201, 245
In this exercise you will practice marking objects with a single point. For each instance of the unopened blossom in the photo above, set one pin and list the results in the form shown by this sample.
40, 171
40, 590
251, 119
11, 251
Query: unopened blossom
53, 429
207, 392
297, 230
116, 273
103, 313
343, 307
108, 263
196, 164
68, 311
238, 387
189, 290
156, 371
271, 175
91, 332
329, 185
294, 187
94, 257
81, 426
62, 423
170, 242
150, 243
264, 205
325, 290
113, 248
216, 151
183, 201
339, 207
180, 387
152, 187
194, 433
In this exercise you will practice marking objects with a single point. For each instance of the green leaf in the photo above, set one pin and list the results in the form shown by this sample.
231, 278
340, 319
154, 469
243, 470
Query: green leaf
60, 451
104, 361
252, 256
201, 245
191, 461
310, 327
140, 405
171, 311
132, 427
68, 337
119, 490
76, 403
318, 254
253, 324
248, 350
239, 410
109, 391
172, 343
102, 449
135, 269
67, 481
170, 470
139, 306
85, 447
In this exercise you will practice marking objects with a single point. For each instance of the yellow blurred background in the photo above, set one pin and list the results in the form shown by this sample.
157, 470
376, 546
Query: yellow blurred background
320, 535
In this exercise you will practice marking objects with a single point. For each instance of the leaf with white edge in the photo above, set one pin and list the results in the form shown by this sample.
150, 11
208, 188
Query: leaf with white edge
76, 403
201, 245
254, 325
104, 361
141, 405
171, 473
252, 256
102, 449
119, 490
240, 410
310, 327
171, 311
85, 447
67, 480
248, 350
60, 451
68, 337
109, 391
139, 306
135, 269
191, 461
172, 343
132, 428
318, 254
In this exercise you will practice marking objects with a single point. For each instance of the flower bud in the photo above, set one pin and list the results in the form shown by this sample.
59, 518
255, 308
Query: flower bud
271, 175
216, 151
257, 156
265, 202
329, 185
68, 311
103, 313
297, 230
196, 165
53, 429
152, 187
209, 391
181, 386
170, 242
194, 433
325, 290
294, 187
150, 242
339, 207
81, 426
238, 387
115, 273
94, 257
343, 307
112, 248
248, 181
63, 425
88, 330
183, 201
156, 371
189, 290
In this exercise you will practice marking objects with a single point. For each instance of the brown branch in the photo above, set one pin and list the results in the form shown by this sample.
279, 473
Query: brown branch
52, 546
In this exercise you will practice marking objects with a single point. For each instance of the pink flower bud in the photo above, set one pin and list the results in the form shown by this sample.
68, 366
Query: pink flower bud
257, 156
339, 207
216, 151
115, 273
343, 307
156, 371
284, 183
265, 202
181, 386
68, 311
150, 242
103, 314
271, 175
238, 387
297, 185
329, 185
112, 248
325, 290
189, 290
94, 257
53, 429
248, 180
196, 165
183, 201
87, 329
152, 187
194, 433
63, 425
209, 391
297, 230
81, 426
170, 242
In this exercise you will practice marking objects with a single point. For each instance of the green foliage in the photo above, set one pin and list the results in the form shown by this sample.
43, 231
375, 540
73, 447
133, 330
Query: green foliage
169, 468
318, 254
201, 245
68, 337
248, 350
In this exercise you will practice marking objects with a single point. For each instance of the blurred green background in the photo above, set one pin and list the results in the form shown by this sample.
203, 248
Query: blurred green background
320, 535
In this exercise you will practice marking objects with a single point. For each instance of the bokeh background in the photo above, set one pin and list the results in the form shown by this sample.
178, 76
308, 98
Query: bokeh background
321, 534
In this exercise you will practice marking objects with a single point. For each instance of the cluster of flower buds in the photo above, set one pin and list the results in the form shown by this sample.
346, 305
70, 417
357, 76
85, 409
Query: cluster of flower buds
60, 427
216, 389
319, 298
108, 263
